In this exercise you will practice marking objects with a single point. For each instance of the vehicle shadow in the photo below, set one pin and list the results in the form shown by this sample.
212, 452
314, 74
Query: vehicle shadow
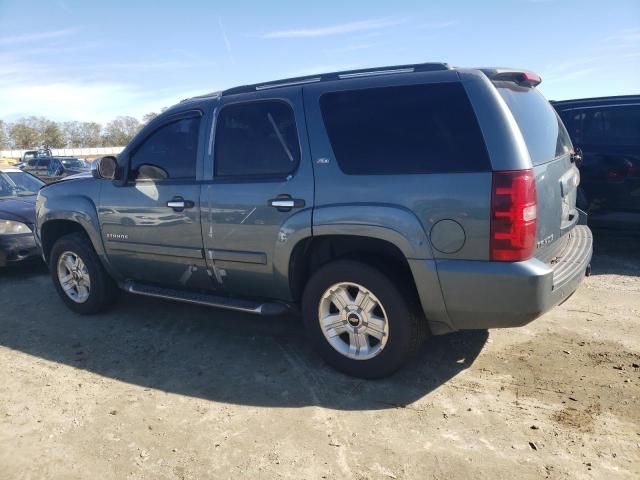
212, 354
615, 253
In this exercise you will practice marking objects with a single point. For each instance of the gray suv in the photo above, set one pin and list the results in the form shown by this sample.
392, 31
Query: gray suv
387, 204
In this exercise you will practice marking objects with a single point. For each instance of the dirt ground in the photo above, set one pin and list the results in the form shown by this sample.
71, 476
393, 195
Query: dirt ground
161, 390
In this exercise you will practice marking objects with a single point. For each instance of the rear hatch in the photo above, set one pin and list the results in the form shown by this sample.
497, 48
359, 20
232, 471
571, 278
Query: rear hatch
556, 175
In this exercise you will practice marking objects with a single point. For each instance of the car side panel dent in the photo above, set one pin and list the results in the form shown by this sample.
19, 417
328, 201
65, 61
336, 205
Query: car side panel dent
296, 229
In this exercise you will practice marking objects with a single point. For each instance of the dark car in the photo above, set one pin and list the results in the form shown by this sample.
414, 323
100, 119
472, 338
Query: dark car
51, 169
18, 191
607, 130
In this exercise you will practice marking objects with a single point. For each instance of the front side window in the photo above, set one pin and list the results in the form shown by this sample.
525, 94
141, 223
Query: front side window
170, 152
411, 129
256, 139
24, 183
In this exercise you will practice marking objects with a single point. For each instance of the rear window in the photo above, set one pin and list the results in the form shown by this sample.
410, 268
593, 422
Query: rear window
404, 130
541, 127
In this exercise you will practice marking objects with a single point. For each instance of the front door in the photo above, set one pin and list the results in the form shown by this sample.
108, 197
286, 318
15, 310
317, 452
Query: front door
151, 225
260, 195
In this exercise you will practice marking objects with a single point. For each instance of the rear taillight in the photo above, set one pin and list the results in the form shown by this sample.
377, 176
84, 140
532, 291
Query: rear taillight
513, 215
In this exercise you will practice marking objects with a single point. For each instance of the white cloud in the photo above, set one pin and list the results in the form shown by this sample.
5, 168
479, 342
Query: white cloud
439, 25
571, 75
361, 26
227, 43
68, 100
34, 37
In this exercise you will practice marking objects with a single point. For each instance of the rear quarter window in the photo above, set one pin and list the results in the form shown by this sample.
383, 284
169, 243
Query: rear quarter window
411, 129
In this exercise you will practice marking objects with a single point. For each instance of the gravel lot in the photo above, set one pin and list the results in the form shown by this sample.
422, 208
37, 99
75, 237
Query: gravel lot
158, 390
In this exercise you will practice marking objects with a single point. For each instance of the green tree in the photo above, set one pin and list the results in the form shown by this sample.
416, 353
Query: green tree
5, 144
148, 117
90, 133
24, 134
72, 134
120, 131
51, 134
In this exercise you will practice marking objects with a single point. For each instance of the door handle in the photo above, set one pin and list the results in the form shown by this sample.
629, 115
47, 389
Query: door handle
179, 204
284, 203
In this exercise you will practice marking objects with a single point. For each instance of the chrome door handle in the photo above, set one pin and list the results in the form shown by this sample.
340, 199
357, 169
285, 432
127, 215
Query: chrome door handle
282, 203
285, 203
179, 204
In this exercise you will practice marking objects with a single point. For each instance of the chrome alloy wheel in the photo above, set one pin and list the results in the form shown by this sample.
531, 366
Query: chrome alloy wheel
74, 277
353, 321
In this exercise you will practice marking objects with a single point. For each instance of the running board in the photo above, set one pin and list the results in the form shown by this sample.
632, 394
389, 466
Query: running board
239, 305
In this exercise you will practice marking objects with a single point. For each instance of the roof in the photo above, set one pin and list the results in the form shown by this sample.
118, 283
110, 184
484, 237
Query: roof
325, 77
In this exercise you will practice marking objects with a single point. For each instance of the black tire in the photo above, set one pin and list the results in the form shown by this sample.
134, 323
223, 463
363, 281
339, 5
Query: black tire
406, 326
103, 291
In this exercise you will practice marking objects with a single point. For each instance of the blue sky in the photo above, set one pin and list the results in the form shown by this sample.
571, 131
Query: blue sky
90, 60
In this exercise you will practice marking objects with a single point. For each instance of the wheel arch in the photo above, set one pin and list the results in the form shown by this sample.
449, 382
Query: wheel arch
58, 216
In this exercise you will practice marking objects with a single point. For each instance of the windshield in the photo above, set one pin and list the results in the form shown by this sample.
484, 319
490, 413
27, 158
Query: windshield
74, 163
18, 184
541, 127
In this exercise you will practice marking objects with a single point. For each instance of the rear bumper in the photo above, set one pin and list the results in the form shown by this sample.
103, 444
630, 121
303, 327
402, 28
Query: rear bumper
480, 295
16, 248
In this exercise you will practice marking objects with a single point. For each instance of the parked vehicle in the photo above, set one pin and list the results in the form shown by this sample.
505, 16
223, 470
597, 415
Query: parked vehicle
18, 191
607, 130
386, 203
51, 169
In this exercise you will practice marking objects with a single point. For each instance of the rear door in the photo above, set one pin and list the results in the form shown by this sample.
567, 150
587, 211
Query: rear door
550, 149
261, 190
151, 225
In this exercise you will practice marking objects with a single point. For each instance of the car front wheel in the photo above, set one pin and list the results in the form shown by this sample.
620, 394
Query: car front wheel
79, 277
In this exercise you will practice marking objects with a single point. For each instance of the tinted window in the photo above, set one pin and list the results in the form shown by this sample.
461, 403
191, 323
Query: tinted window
608, 126
33, 162
169, 152
256, 139
404, 130
542, 129
24, 182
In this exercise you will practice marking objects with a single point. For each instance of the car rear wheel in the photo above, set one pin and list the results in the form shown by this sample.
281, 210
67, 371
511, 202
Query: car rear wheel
79, 277
359, 321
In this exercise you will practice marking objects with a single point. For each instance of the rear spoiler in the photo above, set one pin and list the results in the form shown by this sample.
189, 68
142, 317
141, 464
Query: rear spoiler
521, 77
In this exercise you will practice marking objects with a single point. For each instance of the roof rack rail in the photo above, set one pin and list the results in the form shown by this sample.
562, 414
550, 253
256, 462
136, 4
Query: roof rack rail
204, 95
343, 75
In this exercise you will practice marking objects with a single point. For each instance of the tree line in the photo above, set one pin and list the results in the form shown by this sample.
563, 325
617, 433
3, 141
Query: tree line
30, 132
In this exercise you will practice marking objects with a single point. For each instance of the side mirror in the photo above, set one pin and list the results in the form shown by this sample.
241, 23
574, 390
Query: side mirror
105, 167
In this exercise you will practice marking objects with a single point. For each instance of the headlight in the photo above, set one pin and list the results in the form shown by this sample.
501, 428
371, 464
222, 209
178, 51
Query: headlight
9, 227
